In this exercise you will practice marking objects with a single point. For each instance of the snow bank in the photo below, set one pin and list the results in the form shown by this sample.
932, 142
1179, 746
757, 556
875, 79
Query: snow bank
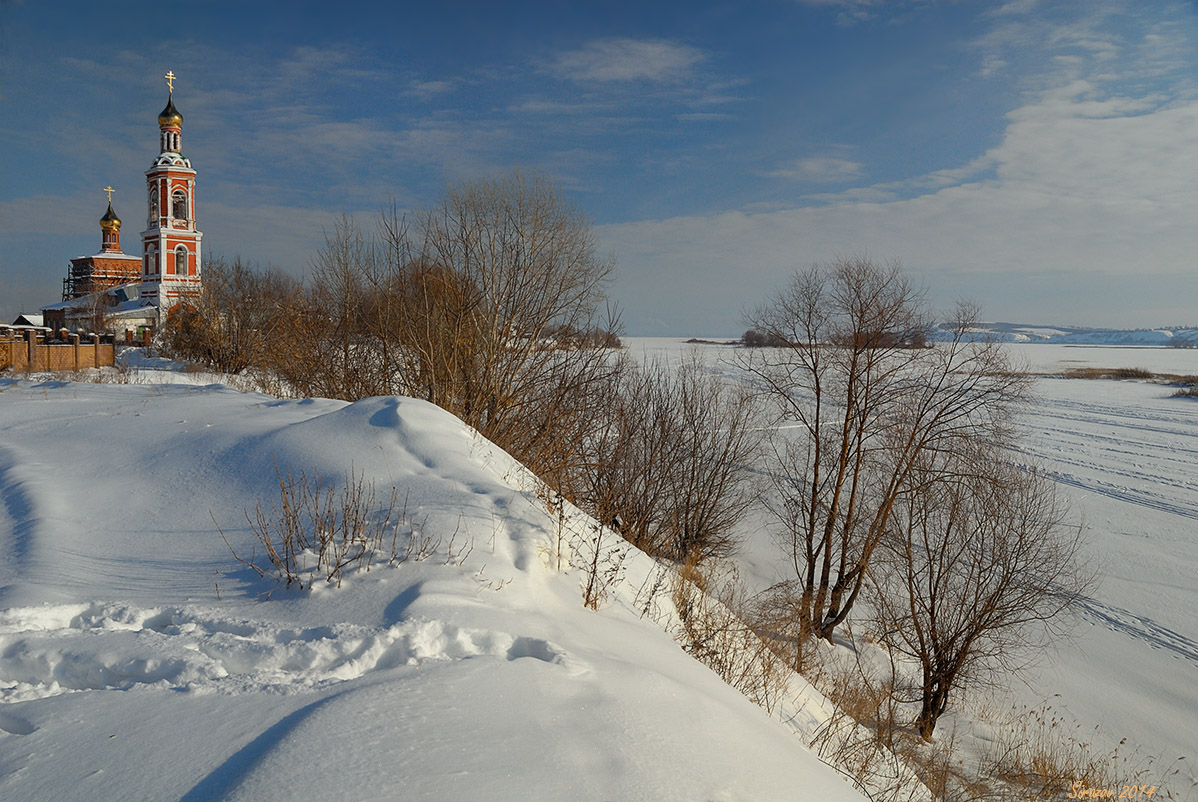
140, 659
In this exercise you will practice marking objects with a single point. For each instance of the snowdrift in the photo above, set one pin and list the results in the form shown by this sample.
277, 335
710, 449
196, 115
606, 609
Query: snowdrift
139, 659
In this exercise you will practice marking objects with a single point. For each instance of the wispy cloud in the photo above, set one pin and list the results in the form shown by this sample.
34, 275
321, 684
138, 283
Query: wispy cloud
703, 116
820, 169
429, 89
851, 12
562, 107
626, 59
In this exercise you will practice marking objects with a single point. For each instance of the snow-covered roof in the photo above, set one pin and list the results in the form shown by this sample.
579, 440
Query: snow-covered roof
29, 319
122, 293
108, 255
133, 309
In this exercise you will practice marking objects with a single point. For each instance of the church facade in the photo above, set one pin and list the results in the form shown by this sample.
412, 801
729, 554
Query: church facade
131, 293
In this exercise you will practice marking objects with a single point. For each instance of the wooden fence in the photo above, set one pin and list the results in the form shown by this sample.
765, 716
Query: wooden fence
30, 350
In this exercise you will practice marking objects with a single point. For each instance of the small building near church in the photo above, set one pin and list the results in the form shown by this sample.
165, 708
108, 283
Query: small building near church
27, 320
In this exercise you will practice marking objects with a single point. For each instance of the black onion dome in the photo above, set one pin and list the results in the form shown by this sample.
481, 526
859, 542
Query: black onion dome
110, 220
170, 115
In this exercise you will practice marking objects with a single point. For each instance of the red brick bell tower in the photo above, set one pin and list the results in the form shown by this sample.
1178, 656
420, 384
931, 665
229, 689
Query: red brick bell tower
171, 242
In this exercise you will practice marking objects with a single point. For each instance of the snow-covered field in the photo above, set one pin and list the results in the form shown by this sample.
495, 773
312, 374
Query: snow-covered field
1048, 358
1126, 454
140, 660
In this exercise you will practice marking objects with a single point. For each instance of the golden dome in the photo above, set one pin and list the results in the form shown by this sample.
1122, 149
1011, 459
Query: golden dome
110, 220
170, 116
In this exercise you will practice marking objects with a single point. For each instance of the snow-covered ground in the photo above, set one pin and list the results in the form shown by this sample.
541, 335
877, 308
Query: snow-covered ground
140, 660
1049, 358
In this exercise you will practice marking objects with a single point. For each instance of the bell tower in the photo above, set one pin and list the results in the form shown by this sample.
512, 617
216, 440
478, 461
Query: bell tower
171, 243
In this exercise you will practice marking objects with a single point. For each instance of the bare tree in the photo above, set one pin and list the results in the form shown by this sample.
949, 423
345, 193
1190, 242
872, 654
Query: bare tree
976, 569
865, 400
504, 263
339, 298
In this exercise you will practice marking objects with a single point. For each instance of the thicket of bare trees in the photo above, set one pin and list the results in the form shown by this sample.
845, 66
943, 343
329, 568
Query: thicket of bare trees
232, 323
462, 308
671, 461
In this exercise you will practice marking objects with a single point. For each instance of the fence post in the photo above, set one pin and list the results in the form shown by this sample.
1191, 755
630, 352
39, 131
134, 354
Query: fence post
75, 343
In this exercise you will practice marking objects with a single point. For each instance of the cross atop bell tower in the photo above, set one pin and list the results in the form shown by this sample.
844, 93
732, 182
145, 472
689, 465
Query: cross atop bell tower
170, 121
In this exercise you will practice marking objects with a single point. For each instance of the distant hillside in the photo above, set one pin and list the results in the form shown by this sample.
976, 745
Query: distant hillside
1184, 337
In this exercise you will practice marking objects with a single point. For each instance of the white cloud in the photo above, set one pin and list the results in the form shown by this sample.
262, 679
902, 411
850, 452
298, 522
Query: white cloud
429, 89
1015, 7
851, 12
820, 169
625, 59
1083, 189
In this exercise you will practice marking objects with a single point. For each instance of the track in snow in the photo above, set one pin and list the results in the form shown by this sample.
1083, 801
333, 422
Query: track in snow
1142, 628
1129, 452
51, 650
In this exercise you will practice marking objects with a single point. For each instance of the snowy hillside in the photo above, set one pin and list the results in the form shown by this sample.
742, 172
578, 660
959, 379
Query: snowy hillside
140, 660
1074, 335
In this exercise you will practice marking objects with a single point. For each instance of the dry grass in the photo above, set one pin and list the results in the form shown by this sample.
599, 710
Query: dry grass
1118, 374
1037, 754
865, 737
1188, 382
712, 605
1044, 754
320, 530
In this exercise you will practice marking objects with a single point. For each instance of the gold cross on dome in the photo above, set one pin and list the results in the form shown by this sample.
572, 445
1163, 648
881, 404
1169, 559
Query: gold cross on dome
109, 190
170, 81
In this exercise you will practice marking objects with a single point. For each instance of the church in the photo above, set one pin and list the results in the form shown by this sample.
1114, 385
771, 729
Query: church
122, 293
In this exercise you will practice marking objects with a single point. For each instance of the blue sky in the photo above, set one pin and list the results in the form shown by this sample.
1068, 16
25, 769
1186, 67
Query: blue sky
1038, 157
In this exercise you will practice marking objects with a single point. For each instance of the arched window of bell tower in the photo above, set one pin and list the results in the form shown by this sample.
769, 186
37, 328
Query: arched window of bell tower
179, 204
181, 261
